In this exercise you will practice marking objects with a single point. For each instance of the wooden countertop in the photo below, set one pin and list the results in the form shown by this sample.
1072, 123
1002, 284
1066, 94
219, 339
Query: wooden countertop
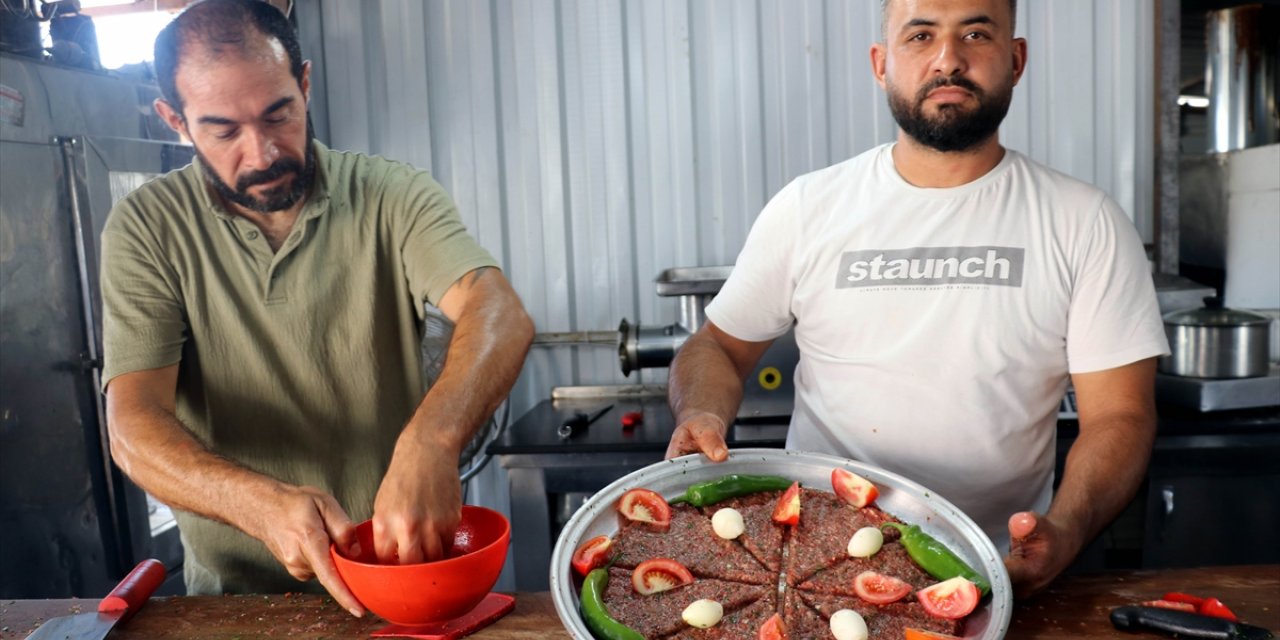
1073, 607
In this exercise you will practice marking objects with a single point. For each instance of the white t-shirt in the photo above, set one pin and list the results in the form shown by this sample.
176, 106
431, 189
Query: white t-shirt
937, 327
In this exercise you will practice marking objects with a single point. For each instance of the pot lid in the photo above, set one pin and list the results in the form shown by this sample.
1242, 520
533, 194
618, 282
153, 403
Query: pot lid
1213, 314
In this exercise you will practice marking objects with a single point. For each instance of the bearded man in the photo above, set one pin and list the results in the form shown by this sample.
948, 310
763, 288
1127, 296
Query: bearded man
263, 308
944, 291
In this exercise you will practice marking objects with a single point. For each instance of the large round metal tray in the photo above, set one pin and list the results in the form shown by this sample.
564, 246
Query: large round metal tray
899, 496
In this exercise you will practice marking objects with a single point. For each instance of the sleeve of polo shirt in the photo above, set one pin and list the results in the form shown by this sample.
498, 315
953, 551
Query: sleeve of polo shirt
436, 248
1114, 318
755, 302
143, 323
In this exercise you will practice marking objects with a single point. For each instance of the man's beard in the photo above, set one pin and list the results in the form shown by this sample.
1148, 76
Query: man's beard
952, 128
276, 198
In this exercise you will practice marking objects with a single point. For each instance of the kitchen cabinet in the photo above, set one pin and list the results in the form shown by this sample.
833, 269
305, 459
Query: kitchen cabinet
1211, 496
1213, 489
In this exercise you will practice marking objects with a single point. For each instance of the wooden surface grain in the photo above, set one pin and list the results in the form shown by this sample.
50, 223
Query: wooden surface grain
1073, 607
1080, 606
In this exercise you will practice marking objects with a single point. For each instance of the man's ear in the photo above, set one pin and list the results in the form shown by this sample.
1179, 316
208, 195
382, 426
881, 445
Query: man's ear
171, 117
1019, 58
878, 58
306, 82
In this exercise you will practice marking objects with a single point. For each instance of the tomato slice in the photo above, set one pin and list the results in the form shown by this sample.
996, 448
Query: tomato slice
773, 629
1168, 604
788, 509
878, 588
921, 634
643, 505
658, 575
853, 488
951, 599
593, 553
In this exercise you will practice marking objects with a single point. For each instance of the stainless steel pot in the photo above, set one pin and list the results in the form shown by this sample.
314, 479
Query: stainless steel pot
1214, 342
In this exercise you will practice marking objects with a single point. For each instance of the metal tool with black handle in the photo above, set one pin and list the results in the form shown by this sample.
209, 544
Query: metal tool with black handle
581, 421
1184, 624
121, 604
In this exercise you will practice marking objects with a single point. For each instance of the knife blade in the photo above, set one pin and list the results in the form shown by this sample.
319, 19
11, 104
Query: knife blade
1185, 624
121, 604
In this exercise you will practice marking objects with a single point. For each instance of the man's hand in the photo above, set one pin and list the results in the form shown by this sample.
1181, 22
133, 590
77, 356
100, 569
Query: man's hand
157, 452
419, 503
297, 531
700, 433
1039, 550
1104, 468
418, 506
705, 384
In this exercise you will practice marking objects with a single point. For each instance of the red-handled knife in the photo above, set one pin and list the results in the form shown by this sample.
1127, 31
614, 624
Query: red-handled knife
119, 605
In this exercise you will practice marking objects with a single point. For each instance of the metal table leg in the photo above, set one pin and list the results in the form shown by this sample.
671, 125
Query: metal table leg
530, 527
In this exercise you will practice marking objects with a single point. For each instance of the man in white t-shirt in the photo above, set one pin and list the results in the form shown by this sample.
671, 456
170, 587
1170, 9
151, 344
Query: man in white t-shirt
943, 292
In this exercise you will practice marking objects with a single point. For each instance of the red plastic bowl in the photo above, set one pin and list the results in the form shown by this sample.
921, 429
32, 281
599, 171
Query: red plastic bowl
415, 594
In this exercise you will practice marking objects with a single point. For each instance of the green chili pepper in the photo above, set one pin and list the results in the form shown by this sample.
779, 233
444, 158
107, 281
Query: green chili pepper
701, 494
598, 620
935, 558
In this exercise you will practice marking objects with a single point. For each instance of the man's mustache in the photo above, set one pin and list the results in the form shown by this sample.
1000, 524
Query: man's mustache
949, 81
276, 170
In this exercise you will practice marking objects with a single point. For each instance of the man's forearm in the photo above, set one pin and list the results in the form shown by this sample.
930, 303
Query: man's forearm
703, 379
1104, 469
160, 455
490, 340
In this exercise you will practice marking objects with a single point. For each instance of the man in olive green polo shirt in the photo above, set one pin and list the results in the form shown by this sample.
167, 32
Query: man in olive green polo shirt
262, 318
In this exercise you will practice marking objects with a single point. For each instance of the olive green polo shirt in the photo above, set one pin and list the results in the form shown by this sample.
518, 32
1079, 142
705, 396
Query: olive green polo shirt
302, 364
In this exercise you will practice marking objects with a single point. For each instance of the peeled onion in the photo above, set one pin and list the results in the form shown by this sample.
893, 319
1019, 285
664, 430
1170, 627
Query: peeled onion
866, 542
728, 524
847, 624
704, 614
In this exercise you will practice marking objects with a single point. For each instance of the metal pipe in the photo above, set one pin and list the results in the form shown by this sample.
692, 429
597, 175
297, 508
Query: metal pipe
643, 347
91, 357
1240, 77
609, 338
1168, 228
693, 311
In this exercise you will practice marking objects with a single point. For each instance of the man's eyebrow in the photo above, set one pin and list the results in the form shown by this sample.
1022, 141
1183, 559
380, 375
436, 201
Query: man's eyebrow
272, 108
979, 19
215, 120
277, 105
920, 22
927, 22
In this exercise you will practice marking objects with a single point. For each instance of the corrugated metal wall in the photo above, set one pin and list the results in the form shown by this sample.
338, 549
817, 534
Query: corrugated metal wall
592, 143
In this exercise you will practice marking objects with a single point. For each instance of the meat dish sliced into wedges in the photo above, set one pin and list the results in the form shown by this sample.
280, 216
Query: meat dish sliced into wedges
801, 620
821, 539
892, 560
692, 542
658, 615
883, 621
763, 537
744, 622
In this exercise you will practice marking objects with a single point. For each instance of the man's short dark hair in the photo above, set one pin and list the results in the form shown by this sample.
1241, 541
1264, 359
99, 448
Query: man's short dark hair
884, 10
219, 24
